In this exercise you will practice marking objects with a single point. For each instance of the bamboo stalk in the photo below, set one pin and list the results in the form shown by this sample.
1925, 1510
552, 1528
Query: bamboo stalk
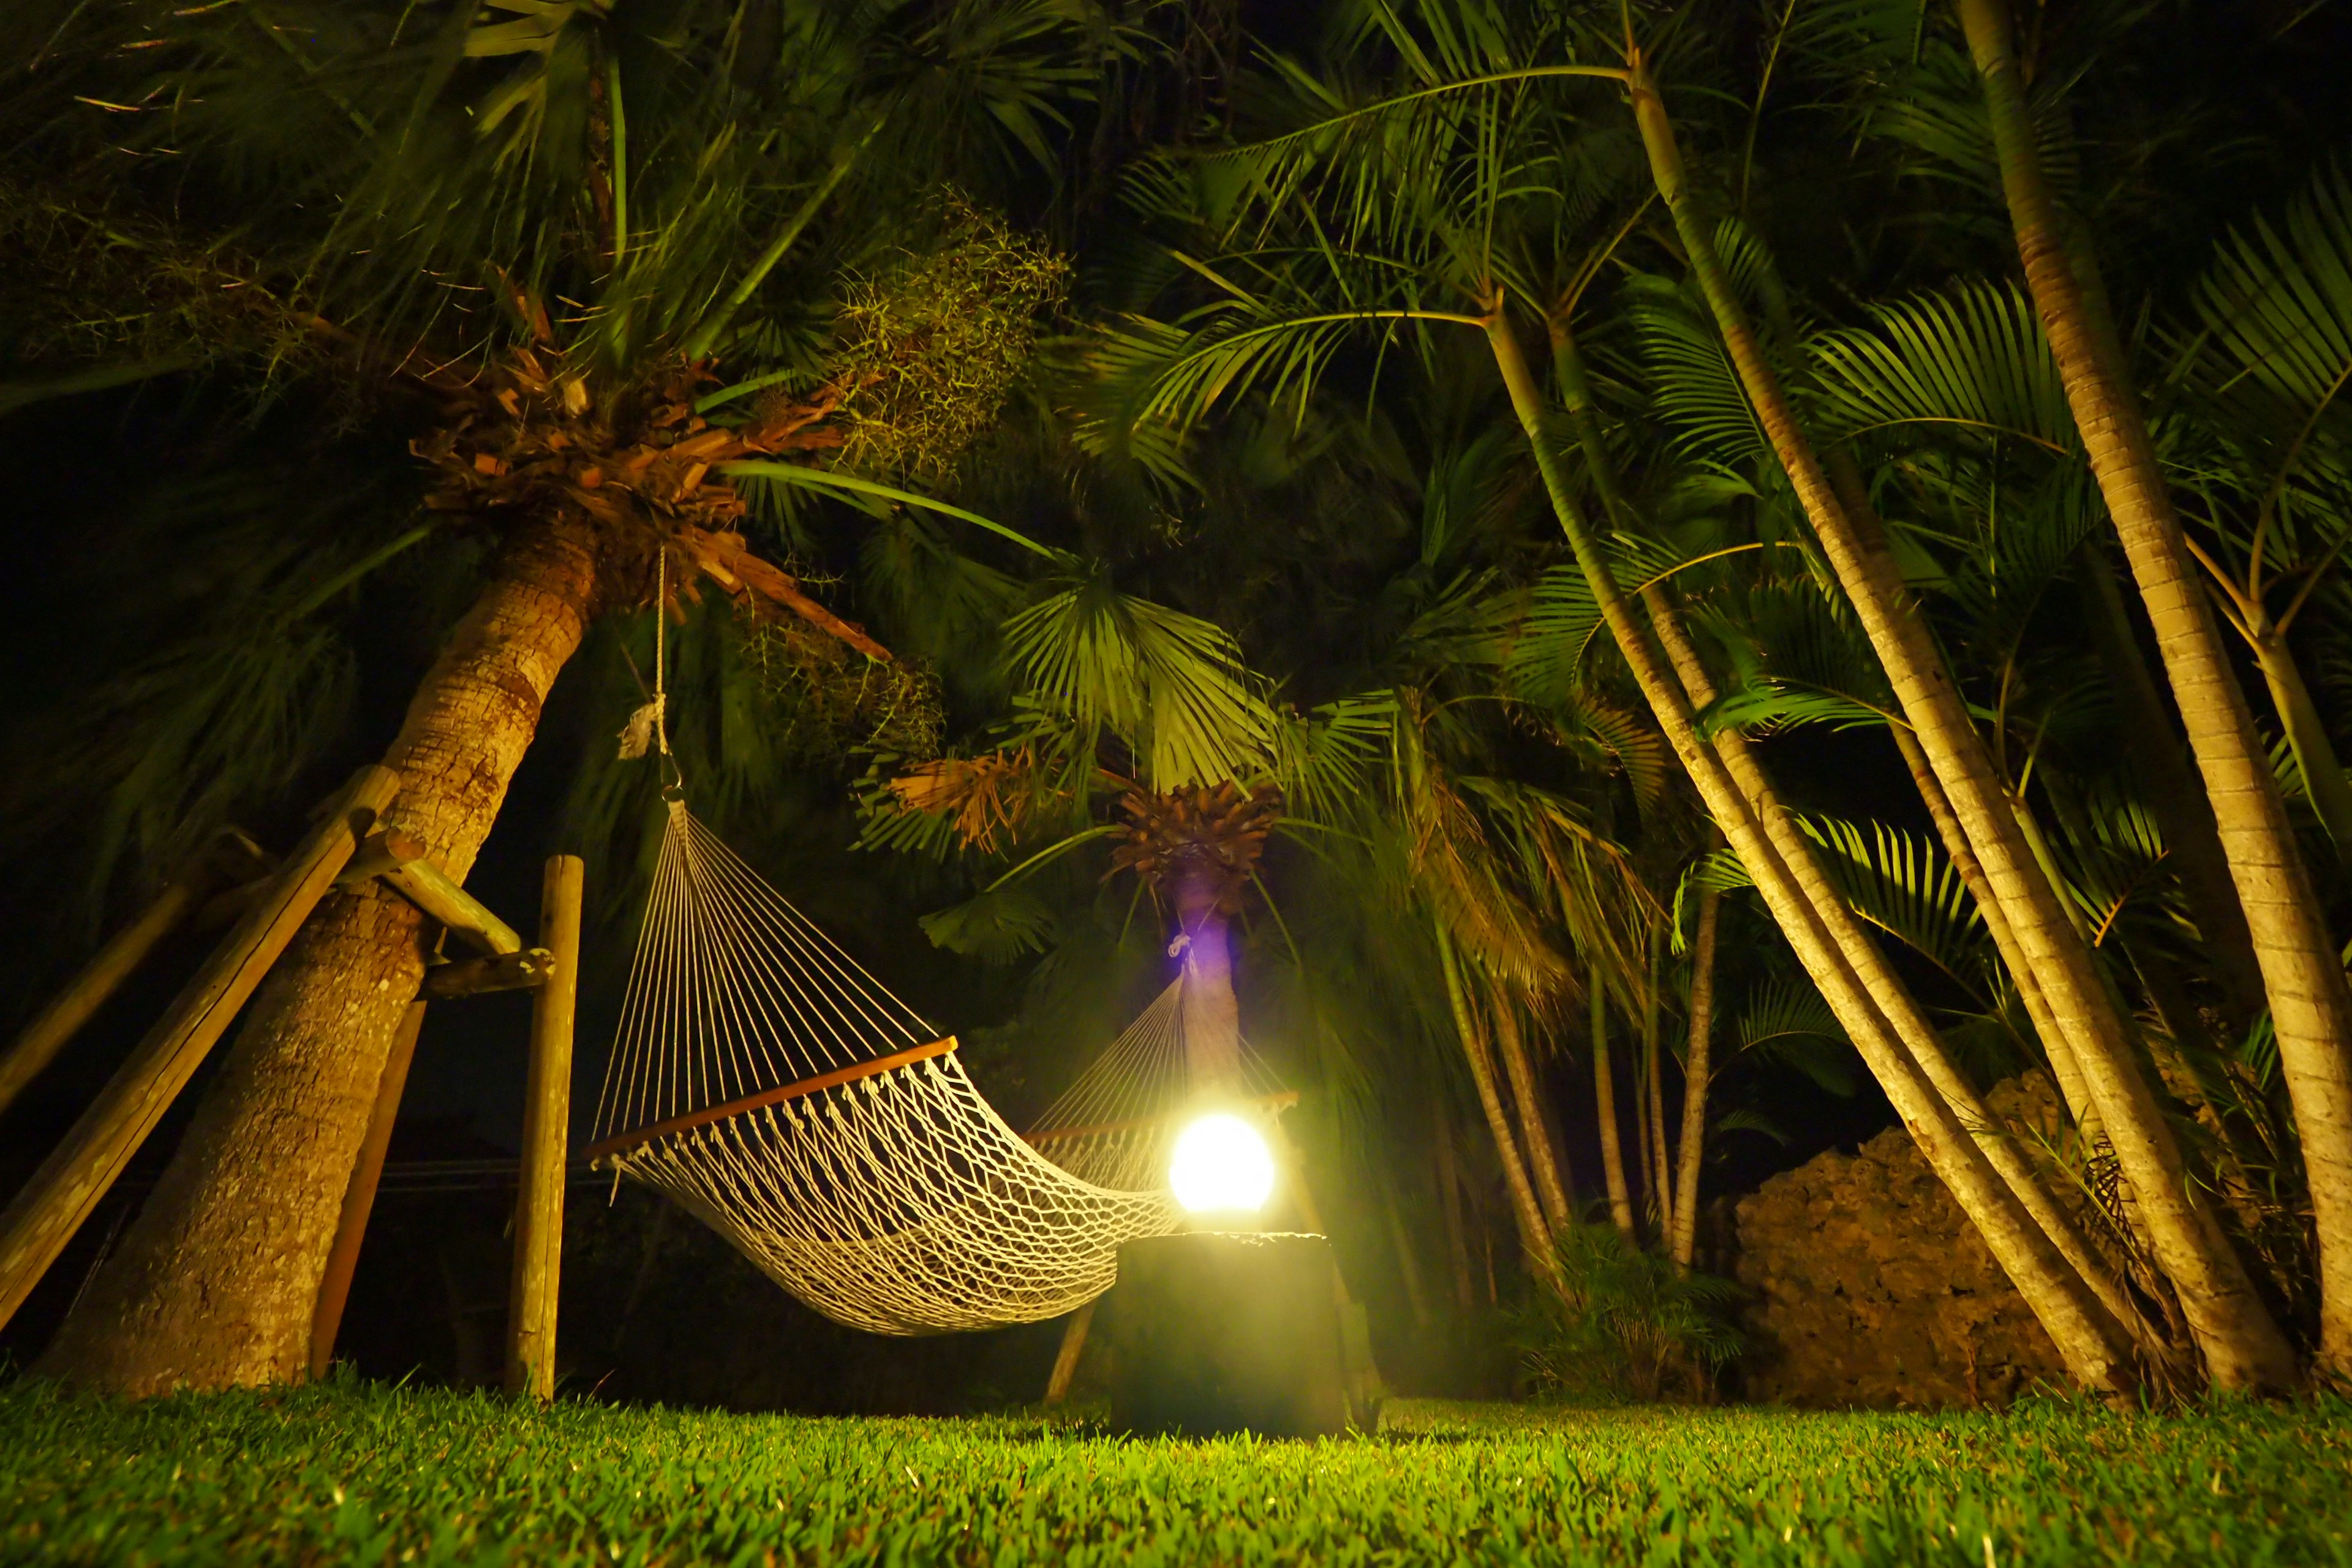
546, 1132
359, 1198
52, 1205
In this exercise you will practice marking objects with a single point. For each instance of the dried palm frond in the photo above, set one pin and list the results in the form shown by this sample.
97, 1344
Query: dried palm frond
1208, 838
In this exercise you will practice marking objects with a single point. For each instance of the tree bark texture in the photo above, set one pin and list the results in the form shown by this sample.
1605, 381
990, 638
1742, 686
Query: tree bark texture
1510, 1043
2243, 1344
214, 1283
1698, 1066
1605, 1102
1527, 1215
2311, 1007
2088, 1339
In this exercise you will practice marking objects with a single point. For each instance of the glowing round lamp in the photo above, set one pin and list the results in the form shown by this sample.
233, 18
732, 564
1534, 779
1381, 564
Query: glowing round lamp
1220, 1165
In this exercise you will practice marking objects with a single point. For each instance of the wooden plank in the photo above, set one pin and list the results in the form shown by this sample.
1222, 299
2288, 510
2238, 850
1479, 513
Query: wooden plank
359, 1198
1066, 1359
428, 886
546, 1136
623, 1142
473, 976
53, 1204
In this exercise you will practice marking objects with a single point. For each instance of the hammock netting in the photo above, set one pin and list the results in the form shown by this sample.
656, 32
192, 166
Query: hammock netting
768, 1084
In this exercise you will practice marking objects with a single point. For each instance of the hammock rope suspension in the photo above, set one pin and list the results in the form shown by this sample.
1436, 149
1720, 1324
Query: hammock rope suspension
766, 1082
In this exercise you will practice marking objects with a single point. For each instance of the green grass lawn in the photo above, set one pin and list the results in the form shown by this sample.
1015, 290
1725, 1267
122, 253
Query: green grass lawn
353, 1473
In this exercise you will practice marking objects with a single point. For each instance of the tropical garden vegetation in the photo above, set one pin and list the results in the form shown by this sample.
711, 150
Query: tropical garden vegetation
1676, 547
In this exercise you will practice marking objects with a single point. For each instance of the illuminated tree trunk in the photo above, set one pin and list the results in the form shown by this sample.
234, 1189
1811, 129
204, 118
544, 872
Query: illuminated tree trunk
1654, 1109
1209, 1012
2091, 1342
1534, 1135
1604, 1099
2242, 1346
1696, 1067
1534, 1237
215, 1282
2311, 1007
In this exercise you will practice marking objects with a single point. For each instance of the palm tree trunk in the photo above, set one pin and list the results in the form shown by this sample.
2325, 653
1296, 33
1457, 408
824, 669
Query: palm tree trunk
1533, 1136
1604, 1097
1683, 1240
2177, 797
1449, 1198
215, 1285
1534, 1237
2311, 1007
2243, 1345
1416, 1289
2088, 1339
2323, 776
1208, 1010
1830, 907
1656, 1158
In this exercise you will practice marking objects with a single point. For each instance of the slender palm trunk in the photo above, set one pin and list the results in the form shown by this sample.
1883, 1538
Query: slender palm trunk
2311, 1007
2176, 795
2243, 1345
2315, 754
1683, 1240
1416, 1289
1449, 1198
2090, 1341
1604, 1099
1535, 1137
215, 1283
1657, 1158
1830, 907
1527, 1215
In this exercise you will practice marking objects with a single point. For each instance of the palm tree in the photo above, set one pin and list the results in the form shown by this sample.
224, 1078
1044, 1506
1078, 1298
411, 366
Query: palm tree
1375, 194
693, 177
2311, 1005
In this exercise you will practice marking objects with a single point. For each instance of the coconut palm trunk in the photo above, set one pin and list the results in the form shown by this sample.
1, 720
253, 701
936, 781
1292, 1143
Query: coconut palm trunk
1535, 1136
214, 1283
2311, 1007
1604, 1100
2089, 1340
2243, 1345
1682, 1239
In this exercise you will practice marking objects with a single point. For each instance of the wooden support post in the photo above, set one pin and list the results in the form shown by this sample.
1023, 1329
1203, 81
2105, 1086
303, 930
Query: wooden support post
428, 886
47, 1034
473, 976
78, 1173
546, 1130
359, 1198
1066, 1359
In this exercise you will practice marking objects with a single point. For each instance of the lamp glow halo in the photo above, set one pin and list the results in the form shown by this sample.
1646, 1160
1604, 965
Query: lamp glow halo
1220, 1165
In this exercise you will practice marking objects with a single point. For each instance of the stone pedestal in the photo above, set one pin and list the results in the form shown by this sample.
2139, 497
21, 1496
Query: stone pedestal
1227, 1331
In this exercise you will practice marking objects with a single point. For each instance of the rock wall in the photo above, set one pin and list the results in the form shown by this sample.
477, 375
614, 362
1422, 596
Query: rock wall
1868, 1287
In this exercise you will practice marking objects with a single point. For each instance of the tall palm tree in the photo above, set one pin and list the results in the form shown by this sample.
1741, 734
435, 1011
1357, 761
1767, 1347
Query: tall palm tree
691, 176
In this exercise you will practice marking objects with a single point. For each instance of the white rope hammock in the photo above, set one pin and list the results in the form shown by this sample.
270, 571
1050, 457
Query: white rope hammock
774, 1088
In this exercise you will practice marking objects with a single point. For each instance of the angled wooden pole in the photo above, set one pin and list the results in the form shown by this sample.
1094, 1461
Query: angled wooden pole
546, 1131
78, 1173
1066, 1359
47, 1034
359, 1198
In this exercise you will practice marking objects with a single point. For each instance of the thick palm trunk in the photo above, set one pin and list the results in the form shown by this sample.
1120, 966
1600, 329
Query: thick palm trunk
1604, 1099
2311, 1007
1683, 1240
215, 1282
2243, 1345
1527, 1215
2088, 1339
1208, 1010
1510, 1043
